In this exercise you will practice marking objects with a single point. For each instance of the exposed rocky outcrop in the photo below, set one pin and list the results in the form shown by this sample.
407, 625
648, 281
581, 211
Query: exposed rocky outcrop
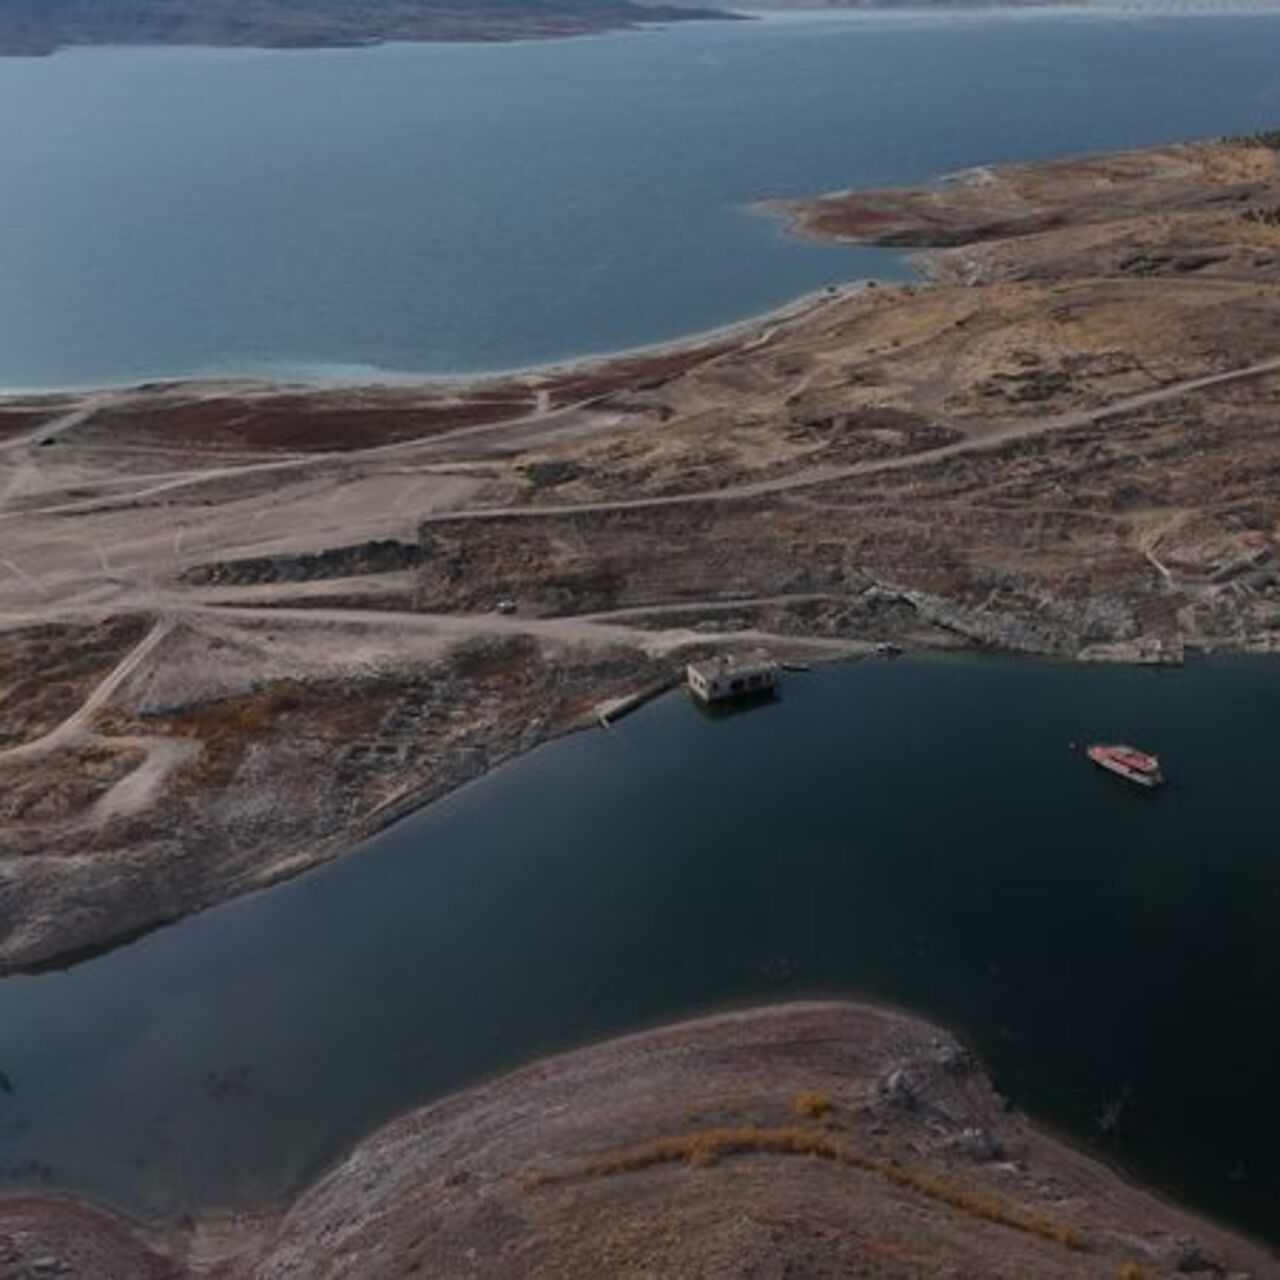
58, 1238
381, 555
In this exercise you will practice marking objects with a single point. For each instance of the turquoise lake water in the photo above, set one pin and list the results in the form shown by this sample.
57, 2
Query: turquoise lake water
439, 208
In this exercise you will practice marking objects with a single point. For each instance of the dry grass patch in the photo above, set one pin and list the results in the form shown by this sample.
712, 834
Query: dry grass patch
706, 1147
46, 672
494, 660
59, 787
224, 727
812, 1105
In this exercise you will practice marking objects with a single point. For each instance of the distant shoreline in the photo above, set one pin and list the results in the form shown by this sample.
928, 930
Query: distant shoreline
45, 35
42, 30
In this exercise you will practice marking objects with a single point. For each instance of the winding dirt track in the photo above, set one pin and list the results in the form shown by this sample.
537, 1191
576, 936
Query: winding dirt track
164, 754
586, 629
161, 755
75, 726
810, 477
58, 426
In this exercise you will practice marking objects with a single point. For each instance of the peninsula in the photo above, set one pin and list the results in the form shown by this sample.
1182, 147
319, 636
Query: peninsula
244, 625
37, 27
804, 1139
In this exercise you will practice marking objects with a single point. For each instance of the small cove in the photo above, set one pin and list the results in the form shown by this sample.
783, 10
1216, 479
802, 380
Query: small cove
917, 832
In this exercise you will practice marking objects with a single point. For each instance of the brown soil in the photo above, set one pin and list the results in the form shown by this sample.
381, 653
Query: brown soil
21, 421
60, 1237
47, 671
238, 419
1065, 444
818, 1140
800, 1140
291, 421
1192, 180
299, 766
57, 788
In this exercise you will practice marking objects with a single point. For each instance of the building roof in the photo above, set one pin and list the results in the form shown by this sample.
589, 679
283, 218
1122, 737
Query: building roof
727, 664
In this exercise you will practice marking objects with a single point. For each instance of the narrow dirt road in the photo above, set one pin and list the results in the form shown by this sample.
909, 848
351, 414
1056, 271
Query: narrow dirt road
55, 427
75, 726
813, 476
593, 630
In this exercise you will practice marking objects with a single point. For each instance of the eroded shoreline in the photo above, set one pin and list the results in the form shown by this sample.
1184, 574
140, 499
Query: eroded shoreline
248, 623
846, 1138
377, 379
219, 594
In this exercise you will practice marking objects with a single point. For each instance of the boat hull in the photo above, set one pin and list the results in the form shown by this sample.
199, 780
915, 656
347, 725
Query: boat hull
1113, 760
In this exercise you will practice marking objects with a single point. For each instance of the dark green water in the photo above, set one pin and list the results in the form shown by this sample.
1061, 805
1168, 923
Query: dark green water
916, 831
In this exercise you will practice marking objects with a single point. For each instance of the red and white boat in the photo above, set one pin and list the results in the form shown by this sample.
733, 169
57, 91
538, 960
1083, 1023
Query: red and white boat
1130, 763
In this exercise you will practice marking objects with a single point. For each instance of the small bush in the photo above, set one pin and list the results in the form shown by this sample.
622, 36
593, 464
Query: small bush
223, 727
812, 1105
1269, 138
1265, 217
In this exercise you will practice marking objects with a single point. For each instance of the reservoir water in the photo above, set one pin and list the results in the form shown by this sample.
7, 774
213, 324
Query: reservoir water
915, 831
441, 208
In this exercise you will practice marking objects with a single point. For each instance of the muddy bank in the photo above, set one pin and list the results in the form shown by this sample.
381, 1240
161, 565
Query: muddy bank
816, 1139
263, 417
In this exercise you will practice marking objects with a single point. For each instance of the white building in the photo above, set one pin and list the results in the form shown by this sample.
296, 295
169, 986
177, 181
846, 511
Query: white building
723, 678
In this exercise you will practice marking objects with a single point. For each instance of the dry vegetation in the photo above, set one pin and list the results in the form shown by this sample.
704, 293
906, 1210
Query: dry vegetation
588, 1165
689, 1151
703, 1148
1017, 455
39, 794
280, 772
224, 728
338, 605
46, 671
812, 1105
